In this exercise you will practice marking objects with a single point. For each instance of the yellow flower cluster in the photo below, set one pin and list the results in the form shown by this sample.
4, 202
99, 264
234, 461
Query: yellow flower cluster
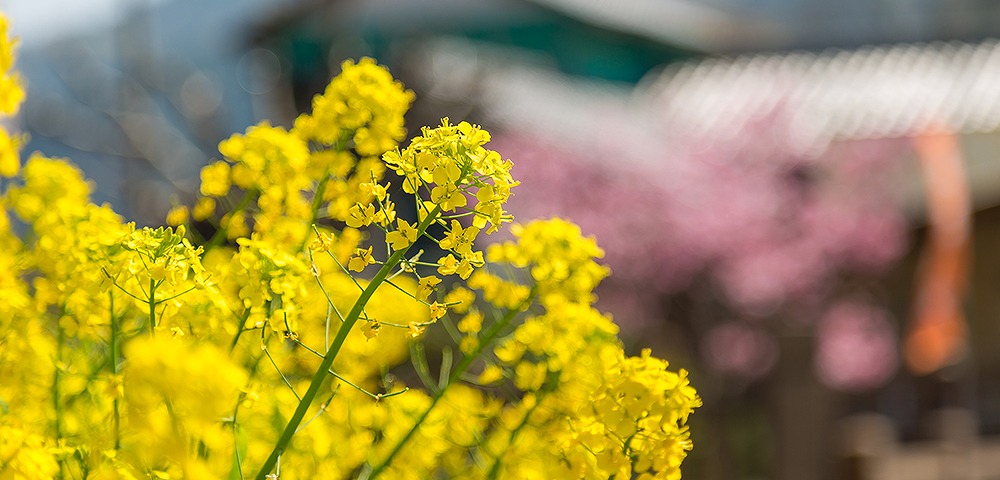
605, 414
364, 103
450, 161
182, 404
267, 162
25, 456
289, 179
262, 352
269, 279
72, 241
560, 259
11, 96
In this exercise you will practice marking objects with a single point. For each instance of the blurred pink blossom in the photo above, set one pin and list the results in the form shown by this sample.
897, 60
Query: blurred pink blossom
766, 226
741, 349
857, 348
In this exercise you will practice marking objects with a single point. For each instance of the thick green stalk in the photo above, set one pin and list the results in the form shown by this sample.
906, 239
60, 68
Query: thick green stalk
239, 330
56, 392
220, 234
115, 360
495, 469
317, 203
334, 349
460, 370
152, 307
340, 146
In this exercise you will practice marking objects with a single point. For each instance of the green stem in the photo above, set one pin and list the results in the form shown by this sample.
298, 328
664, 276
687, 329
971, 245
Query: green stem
323, 371
339, 146
115, 358
495, 469
152, 307
56, 393
463, 366
220, 234
239, 329
317, 202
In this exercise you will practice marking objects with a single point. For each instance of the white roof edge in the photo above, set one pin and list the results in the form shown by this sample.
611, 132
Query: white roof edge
679, 22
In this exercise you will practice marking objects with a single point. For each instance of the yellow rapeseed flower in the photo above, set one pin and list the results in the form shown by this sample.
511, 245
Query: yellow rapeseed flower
404, 235
361, 259
215, 179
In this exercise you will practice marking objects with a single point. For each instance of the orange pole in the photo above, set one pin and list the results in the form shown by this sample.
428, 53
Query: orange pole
937, 335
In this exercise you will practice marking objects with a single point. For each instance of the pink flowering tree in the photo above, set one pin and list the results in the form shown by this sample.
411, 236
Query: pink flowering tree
744, 260
743, 224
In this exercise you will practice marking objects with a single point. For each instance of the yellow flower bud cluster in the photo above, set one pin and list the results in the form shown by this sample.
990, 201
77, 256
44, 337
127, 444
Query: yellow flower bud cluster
269, 280
559, 258
268, 162
292, 178
365, 102
50, 185
162, 256
161, 267
11, 96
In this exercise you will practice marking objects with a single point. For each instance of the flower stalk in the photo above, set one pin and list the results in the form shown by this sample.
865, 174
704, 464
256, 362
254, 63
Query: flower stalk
322, 372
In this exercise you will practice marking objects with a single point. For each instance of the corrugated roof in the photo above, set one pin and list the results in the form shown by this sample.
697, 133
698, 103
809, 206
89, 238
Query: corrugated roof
873, 92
